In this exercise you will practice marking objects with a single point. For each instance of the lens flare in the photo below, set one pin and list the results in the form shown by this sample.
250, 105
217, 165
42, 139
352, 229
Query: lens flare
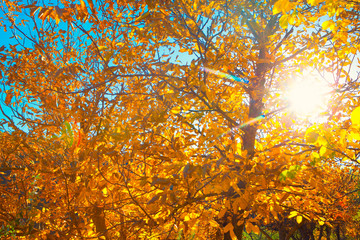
225, 75
251, 121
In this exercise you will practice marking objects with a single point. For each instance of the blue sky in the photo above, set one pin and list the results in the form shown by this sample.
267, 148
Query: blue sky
4, 36
4, 41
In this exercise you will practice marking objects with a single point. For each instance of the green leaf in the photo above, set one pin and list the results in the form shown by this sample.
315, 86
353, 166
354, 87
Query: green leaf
283, 175
291, 173
67, 133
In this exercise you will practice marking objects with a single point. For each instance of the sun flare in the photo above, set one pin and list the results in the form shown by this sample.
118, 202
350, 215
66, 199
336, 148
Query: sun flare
308, 95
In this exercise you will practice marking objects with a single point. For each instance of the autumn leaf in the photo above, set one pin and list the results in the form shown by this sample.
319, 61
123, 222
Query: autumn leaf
355, 117
161, 98
141, 17
284, 21
228, 227
311, 135
323, 151
176, 110
293, 214
91, 4
282, 6
252, 228
299, 219
83, 6
8, 98
314, 2
102, 48
329, 24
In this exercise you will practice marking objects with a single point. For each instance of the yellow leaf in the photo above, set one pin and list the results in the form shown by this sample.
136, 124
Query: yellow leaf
277, 7
284, 21
355, 117
102, 48
292, 20
176, 110
283, 6
315, 155
343, 135
323, 150
322, 141
311, 136
293, 214
314, 2
328, 25
78, 179
354, 135
299, 219
105, 192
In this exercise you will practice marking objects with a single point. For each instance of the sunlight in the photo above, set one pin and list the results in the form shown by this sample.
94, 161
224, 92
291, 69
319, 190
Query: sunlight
308, 94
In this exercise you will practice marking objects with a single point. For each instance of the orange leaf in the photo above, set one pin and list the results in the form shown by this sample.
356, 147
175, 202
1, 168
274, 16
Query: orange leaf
8, 98
91, 4
83, 6
228, 227
252, 228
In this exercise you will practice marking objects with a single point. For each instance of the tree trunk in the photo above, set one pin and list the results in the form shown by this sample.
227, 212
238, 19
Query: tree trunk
321, 232
256, 92
238, 231
98, 218
328, 232
256, 95
338, 232
282, 233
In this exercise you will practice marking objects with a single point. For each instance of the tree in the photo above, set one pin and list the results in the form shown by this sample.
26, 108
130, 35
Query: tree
164, 119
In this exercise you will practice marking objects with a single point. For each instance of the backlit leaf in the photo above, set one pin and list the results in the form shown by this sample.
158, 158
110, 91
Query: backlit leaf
311, 135
299, 219
355, 117
329, 24
83, 6
102, 48
293, 214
